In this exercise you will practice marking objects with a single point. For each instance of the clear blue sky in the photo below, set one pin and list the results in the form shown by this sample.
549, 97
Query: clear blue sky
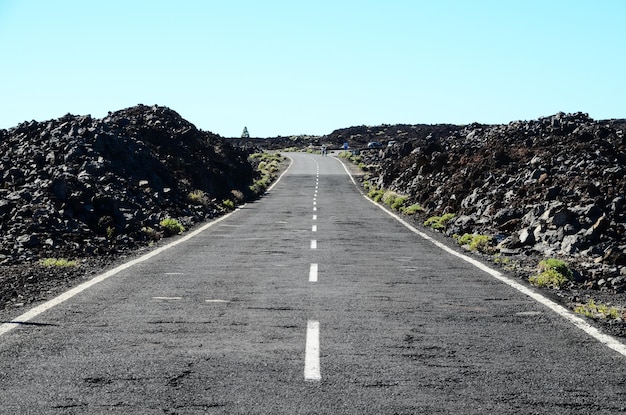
283, 67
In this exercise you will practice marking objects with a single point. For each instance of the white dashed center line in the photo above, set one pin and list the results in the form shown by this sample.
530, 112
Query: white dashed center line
313, 273
313, 244
314, 217
312, 355
314, 228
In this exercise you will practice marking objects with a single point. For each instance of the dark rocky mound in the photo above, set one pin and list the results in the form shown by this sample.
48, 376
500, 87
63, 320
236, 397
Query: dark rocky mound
358, 137
555, 186
79, 187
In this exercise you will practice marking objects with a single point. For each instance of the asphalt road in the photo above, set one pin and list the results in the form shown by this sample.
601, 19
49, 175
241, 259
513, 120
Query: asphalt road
311, 300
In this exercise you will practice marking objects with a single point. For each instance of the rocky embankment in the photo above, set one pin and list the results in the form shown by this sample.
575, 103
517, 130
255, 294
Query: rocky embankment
552, 187
87, 189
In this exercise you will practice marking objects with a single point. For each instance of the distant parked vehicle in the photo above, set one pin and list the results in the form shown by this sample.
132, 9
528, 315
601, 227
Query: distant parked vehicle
374, 144
391, 143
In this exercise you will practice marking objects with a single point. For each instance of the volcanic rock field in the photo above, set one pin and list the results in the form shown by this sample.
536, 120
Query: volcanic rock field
97, 190
94, 190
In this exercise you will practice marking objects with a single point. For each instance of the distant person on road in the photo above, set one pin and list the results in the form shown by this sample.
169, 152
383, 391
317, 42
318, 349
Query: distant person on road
324, 151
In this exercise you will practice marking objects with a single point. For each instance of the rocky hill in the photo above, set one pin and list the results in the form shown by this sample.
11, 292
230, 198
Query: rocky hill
552, 187
82, 188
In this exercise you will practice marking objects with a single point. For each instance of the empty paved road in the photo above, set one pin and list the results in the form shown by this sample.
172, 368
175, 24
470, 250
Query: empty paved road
310, 301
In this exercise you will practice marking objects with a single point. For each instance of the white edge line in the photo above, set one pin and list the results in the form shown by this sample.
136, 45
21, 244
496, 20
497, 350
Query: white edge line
35, 311
312, 352
347, 171
577, 321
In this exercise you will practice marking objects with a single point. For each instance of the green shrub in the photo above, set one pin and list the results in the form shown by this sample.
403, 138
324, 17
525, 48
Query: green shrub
466, 239
237, 195
228, 204
355, 158
481, 243
260, 185
549, 278
58, 262
267, 165
554, 273
556, 265
439, 222
172, 227
151, 233
376, 194
506, 262
389, 197
393, 200
266, 157
398, 203
198, 197
593, 310
272, 166
412, 210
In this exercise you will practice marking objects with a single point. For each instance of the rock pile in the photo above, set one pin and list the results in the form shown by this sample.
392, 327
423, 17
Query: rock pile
77, 186
555, 186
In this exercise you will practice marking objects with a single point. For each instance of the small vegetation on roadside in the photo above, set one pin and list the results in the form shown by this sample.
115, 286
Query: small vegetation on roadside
393, 200
553, 273
58, 262
595, 310
506, 262
267, 164
238, 195
398, 203
412, 209
228, 204
439, 222
198, 197
171, 226
151, 233
355, 158
260, 185
465, 239
376, 194
480, 243
390, 198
